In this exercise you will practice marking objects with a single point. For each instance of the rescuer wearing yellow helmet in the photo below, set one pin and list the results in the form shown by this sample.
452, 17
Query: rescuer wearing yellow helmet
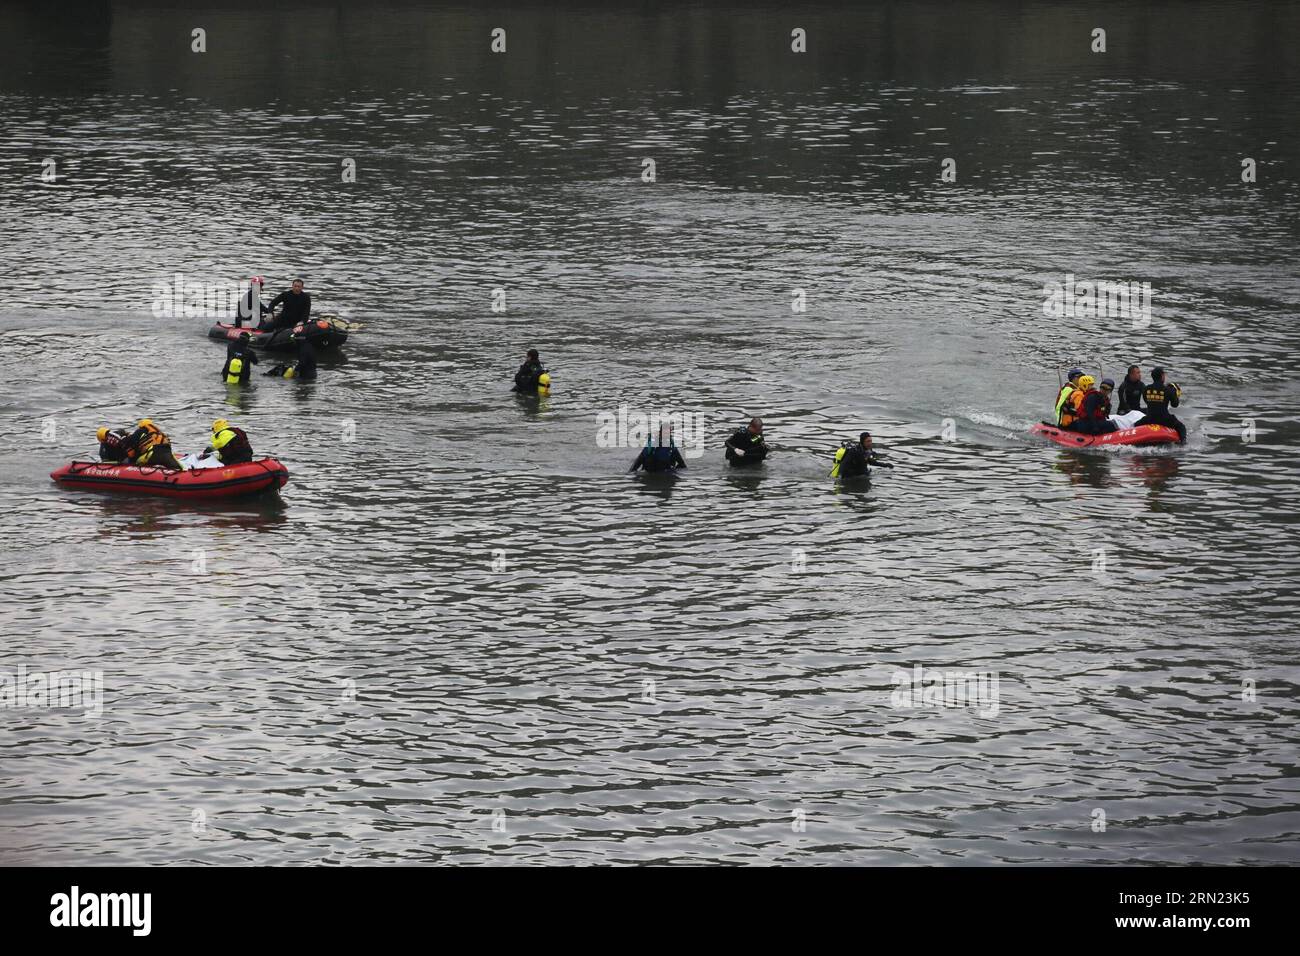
1094, 411
231, 444
112, 444
1069, 412
149, 445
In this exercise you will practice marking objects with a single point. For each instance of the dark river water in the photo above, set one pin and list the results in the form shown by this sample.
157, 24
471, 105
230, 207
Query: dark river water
463, 633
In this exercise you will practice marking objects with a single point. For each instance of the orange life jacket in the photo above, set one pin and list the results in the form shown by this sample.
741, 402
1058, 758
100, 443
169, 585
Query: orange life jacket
142, 448
1070, 410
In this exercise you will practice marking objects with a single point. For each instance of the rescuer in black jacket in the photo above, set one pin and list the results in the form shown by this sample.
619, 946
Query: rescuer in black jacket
296, 307
1160, 396
1130, 391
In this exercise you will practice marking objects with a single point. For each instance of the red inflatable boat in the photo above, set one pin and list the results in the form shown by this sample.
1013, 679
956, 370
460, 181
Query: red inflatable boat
197, 484
1140, 435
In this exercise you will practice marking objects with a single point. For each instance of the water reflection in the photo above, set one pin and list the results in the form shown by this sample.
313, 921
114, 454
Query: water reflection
656, 484
747, 479
532, 405
856, 486
1154, 471
239, 397
1085, 468
118, 513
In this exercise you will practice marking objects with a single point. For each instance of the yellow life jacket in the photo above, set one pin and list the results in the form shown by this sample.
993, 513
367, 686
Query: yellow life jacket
154, 437
234, 370
1061, 397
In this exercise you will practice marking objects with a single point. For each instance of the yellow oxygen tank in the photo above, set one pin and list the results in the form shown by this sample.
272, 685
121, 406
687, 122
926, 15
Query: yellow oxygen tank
544, 384
835, 468
233, 373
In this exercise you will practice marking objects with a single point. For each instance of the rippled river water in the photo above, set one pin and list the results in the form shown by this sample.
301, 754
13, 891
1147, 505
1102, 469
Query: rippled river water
462, 632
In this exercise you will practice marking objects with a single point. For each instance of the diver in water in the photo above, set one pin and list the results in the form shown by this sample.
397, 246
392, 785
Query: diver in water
1130, 391
1094, 411
304, 368
112, 444
231, 444
246, 311
855, 459
528, 378
296, 308
240, 359
148, 445
1160, 396
746, 447
664, 457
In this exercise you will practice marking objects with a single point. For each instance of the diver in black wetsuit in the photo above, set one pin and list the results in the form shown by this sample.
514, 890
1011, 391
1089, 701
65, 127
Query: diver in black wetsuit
304, 368
528, 374
1160, 397
746, 447
296, 307
857, 459
1130, 391
665, 457
240, 359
